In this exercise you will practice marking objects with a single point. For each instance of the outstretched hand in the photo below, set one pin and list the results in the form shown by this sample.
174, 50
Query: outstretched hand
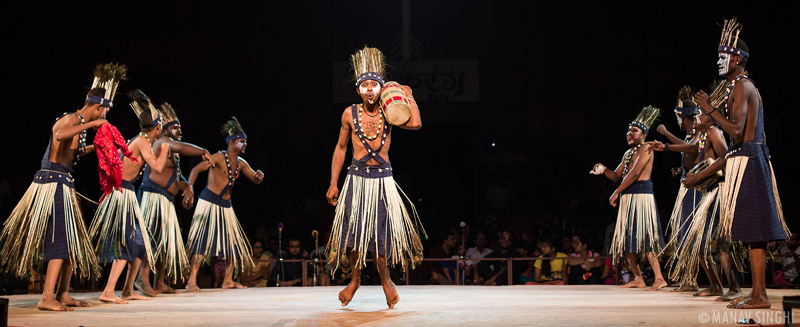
259, 176
654, 145
598, 169
676, 171
209, 163
661, 129
188, 197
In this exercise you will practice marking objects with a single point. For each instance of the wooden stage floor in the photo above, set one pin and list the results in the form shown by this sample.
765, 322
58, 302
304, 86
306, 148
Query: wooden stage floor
596, 305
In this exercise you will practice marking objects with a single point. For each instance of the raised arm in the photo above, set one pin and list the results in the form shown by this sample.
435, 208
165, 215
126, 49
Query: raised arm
254, 176
89, 149
690, 147
188, 149
339, 153
734, 126
672, 138
70, 125
199, 168
415, 122
156, 164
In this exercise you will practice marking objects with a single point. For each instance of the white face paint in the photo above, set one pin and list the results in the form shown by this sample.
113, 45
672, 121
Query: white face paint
240, 144
723, 63
365, 87
104, 113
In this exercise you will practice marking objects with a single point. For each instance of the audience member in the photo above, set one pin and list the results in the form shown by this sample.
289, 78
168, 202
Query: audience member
549, 272
257, 276
583, 269
790, 253
445, 250
494, 272
479, 251
291, 273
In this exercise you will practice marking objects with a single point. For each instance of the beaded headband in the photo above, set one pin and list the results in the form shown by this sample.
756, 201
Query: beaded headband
98, 100
691, 112
646, 118
237, 136
368, 64
730, 37
108, 77
370, 76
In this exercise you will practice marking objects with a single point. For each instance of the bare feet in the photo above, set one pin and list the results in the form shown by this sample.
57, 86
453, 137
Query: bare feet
347, 293
133, 296
686, 288
112, 298
52, 305
192, 288
635, 283
146, 289
708, 292
658, 284
730, 296
232, 285
71, 302
391, 294
740, 299
163, 288
751, 303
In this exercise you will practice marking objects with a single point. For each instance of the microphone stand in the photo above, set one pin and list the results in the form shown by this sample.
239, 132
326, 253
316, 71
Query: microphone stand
463, 268
282, 276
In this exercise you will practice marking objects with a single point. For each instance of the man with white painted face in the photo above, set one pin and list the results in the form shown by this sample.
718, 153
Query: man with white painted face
51, 201
370, 213
156, 196
751, 208
638, 229
215, 228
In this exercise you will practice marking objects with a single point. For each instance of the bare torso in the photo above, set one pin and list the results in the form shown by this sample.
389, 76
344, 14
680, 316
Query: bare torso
131, 169
370, 125
749, 112
169, 169
64, 152
218, 175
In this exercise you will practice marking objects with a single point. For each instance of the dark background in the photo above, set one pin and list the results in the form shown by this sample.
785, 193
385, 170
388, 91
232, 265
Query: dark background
559, 82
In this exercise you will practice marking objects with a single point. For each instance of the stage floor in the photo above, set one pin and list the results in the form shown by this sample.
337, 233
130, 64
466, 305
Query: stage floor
597, 305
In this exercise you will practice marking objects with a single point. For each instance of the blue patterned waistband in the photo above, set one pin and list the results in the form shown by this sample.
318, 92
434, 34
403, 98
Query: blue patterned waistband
54, 173
358, 168
149, 186
639, 187
748, 149
128, 185
215, 199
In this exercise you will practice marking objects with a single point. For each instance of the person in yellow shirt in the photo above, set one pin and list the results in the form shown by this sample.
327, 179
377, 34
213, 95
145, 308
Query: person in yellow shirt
549, 272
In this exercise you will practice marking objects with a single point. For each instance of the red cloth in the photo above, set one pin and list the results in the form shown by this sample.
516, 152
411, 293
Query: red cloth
106, 143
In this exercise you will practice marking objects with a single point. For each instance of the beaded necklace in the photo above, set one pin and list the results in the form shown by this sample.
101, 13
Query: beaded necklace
730, 89
702, 142
380, 123
81, 141
628, 156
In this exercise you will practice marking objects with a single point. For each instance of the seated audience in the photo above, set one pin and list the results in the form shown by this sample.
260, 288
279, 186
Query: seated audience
494, 272
257, 276
549, 272
583, 269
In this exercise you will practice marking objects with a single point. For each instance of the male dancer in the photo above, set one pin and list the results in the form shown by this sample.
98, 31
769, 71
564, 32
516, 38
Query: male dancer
638, 226
702, 234
48, 219
687, 199
751, 208
156, 196
215, 229
371, 216
118, 224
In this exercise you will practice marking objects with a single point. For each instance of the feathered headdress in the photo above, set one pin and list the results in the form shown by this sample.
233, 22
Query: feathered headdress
108, 77
730, 38
141, 102
232, 130
686, 105
717, 97
169, 115
647, 117
368, 64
